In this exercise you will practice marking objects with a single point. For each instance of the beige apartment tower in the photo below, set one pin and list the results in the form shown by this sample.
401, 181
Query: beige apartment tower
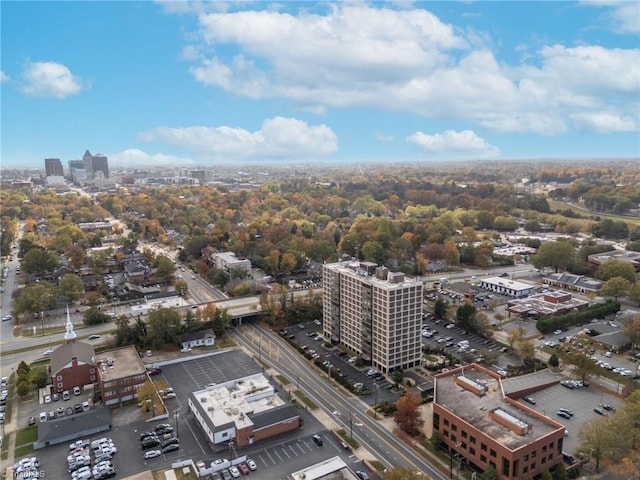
375, 313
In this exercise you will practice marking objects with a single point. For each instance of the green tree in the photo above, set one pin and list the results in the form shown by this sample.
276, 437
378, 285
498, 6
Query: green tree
71, 286
556, 255
634, 293
597, 439
39, 377
554, 361
23, 388
163, 326
35, 298
465, 315
23, 367
546, 475
372, 251
38, 261
489, 474
616, 268
221, 321
527, 350
560, 472
165, 268
616, 287
440, 308
93, 316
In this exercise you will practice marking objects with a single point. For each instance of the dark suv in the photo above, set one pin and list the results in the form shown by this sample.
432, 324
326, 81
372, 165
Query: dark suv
317, 440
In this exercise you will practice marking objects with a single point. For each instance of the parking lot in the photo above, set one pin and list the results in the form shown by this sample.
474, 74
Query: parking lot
279, 455
581, 401
309, 335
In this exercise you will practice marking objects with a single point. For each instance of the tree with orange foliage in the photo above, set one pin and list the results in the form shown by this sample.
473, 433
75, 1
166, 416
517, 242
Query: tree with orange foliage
408, 416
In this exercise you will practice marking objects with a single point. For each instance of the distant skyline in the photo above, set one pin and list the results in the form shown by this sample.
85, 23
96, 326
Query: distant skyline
224, 83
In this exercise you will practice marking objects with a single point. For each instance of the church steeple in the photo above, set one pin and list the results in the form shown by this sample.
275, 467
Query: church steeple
69, 334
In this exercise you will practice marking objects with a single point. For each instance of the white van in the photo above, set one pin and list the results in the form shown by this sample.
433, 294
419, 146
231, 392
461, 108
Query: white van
77, 391
43, 417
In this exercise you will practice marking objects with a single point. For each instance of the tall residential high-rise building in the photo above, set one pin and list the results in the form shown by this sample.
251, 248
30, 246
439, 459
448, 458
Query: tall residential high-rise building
95, 163
53, 167
375, 313
198, 174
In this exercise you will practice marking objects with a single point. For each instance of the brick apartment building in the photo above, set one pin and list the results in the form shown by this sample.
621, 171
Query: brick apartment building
120, 374
477, 421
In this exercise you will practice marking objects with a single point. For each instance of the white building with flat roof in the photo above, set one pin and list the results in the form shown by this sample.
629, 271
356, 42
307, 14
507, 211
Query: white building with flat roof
227, 262
505, 286
244, 410
375, 313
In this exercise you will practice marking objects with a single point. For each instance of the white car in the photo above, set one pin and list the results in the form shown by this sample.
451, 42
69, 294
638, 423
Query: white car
252, 465
186, 350
148, 455
233, 470
48, 353
502, 373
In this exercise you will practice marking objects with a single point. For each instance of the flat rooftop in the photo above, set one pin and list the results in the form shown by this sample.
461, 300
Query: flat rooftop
505, 282
125, 362
234, 401
539, 304
475, 409
331, 469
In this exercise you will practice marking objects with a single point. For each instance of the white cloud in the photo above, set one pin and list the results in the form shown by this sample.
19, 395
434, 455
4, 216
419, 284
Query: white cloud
605, 122
408, 60
3, 77
49, 79
133, 156
623, 15
465, 143
278, 137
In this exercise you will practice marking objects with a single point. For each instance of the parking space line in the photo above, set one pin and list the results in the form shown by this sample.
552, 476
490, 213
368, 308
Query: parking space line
270, 457
275, 452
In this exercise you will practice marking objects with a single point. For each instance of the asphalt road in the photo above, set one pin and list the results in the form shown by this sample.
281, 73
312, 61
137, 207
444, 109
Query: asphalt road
347, 411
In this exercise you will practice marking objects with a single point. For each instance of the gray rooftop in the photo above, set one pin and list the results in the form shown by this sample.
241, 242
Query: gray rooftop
475, 409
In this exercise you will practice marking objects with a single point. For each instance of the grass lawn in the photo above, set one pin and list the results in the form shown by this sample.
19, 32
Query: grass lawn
27, 435
558, 205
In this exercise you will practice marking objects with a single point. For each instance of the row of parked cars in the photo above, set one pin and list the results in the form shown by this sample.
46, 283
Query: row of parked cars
223, 469
162, 436
28, 467
83, 454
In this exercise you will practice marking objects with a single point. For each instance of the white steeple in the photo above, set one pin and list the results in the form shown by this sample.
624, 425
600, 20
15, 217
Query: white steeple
69, 335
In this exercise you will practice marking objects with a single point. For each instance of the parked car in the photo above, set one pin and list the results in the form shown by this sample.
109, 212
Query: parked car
148, 455
317, 440
171, 448
562, 414
599, 411
235, 473
251, 464
530, 400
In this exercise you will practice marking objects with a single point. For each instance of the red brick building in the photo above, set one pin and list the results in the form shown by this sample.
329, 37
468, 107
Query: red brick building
479, 423
72, 365
120, 374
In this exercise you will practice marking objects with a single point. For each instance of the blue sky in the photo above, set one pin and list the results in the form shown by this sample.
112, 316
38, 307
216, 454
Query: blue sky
171, 83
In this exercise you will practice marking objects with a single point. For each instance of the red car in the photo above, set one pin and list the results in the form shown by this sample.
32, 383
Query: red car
155, 371
244, 469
